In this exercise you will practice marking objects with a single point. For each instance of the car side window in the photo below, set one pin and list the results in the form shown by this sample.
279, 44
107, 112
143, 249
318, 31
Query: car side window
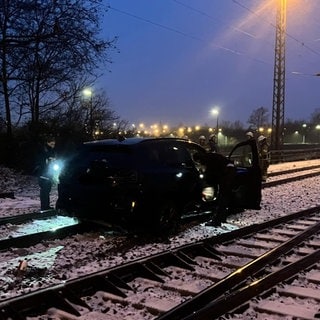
193, 150
174, 155
151, 154
242, 157
168, 154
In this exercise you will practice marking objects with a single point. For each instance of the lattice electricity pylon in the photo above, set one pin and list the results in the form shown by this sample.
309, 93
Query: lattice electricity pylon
279, 78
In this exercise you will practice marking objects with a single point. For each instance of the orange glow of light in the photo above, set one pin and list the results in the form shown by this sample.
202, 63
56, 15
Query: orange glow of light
259, 22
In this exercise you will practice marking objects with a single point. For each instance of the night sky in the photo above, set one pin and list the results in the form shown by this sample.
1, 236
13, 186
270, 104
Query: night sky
179, 59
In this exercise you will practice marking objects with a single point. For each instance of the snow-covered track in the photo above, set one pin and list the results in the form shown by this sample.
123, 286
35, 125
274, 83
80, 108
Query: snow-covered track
295, 176
293, 170
31, 239
27, 217
186, 281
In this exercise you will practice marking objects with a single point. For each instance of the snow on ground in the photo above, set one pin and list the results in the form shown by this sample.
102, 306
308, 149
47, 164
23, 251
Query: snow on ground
61, 260
26, 191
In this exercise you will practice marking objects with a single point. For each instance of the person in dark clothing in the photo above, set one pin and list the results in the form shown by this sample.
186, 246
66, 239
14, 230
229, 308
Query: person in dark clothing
264, 156
219, 173
213, 146
203, 141
46, 156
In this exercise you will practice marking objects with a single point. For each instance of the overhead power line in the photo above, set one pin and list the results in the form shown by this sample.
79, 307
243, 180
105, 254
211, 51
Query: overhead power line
230, 50
213, 18
155, 23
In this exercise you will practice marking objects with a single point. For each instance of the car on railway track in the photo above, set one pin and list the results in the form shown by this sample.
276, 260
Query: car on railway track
150, 181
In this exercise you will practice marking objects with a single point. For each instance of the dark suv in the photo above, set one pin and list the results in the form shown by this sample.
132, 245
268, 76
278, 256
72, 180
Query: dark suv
153, 180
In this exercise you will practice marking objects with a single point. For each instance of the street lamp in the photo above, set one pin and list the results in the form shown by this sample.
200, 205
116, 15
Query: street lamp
304, 133
215, 112
318, 129
88, 94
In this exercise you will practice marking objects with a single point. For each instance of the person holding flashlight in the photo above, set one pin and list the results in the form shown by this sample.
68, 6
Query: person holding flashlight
46, 157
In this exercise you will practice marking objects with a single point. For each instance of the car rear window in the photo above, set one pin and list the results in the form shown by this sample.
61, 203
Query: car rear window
116, 156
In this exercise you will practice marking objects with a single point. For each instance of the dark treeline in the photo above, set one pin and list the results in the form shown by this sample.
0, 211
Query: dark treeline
50, 51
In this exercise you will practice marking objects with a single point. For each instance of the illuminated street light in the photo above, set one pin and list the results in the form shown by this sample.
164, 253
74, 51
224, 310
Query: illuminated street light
304, 133
215, 112
318, 129
88, 94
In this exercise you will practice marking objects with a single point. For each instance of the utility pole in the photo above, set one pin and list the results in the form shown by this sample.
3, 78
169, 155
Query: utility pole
88, 93
279, 78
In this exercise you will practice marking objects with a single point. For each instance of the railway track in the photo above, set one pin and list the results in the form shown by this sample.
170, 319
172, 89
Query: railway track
35, 238
278, 178
220, 276
293, 170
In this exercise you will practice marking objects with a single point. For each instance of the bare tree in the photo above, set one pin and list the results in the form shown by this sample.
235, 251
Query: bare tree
79, 115
44, 46
315, 117
259, 117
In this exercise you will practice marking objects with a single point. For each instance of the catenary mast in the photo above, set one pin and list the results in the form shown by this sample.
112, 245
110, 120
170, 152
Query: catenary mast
279, 78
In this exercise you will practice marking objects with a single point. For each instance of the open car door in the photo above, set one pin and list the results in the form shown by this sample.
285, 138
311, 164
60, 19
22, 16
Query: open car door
247, 187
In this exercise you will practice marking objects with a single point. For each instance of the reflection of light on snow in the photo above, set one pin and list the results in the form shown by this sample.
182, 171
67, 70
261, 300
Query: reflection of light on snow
51, 224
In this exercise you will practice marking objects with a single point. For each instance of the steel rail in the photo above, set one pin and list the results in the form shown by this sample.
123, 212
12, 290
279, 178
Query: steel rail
291, 179
288, 171
27, 217
237, 298
34, 238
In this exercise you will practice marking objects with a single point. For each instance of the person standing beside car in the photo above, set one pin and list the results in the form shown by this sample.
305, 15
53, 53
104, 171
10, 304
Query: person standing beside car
202, 141
249, 135
264, 156
204, 144
46, 156
213, 145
